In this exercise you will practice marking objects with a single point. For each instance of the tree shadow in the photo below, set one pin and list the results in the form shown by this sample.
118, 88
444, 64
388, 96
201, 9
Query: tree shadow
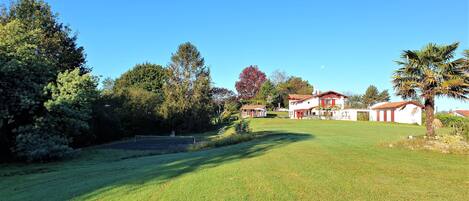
162, 168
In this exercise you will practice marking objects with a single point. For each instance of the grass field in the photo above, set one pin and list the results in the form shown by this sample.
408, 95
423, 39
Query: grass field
301, 160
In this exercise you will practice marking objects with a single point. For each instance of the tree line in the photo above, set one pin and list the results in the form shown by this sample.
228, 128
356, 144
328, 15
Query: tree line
50, 103
254, 87
371, 96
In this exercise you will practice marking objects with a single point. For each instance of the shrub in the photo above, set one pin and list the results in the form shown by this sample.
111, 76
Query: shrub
222, 130
448, 120
459, 125
461, 129
138, 111
34, 143
226, 116
242, 127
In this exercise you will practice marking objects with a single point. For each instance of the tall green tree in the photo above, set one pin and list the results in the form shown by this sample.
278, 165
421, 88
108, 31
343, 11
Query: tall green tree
107, 85
58, 43
34, 48
294, 85
429, 73
355, 101
66, 122
147, 76
220, 96
384, 96
268, 94
24, 72
187, 93
72, 96
371, 95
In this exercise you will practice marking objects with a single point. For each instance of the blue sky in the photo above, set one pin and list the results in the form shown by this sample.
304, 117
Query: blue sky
335, 45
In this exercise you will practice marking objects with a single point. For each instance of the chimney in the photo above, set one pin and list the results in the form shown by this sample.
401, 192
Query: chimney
315, 92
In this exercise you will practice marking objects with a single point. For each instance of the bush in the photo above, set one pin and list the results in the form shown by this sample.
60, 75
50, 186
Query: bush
138, 111
459, 125
461, 129
34, 143
226, 116
242, 127
449, 120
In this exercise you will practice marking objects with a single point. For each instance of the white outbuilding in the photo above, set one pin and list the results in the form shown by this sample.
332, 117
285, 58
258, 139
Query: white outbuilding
408, 112
253, 111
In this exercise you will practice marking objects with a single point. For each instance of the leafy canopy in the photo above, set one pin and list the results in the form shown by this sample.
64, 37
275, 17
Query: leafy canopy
250, 81
187, 102
432, 72
146, 76
57, 42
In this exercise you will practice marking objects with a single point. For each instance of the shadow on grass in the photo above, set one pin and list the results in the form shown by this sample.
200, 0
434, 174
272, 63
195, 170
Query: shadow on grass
134, 172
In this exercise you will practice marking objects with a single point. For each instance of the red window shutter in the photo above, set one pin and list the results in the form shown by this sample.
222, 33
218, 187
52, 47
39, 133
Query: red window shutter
385, 115
333, 102
323, 103
377, 115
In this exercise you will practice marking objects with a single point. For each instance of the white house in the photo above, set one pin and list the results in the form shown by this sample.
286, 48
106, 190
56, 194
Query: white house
409, 112
317, 104
253, 111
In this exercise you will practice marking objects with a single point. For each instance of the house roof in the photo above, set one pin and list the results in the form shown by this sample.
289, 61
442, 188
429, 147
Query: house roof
302, 97
462, 112
299, 96
329, 92
392, 105
253, 107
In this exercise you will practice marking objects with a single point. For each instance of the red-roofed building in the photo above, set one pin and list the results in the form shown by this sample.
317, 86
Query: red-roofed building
409, 112
461, 113
253, 111
301, 106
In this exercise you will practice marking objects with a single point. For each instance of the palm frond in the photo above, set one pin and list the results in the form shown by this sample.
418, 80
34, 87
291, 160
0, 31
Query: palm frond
431, 72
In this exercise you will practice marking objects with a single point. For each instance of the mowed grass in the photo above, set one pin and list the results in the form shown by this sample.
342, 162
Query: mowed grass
301, 160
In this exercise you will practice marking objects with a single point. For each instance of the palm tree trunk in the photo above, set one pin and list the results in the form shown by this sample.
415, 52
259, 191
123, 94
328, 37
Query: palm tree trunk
429, 112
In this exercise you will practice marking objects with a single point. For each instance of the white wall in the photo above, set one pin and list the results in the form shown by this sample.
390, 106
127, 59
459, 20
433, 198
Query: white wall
409, 114
349, 114
309, 103
306, 104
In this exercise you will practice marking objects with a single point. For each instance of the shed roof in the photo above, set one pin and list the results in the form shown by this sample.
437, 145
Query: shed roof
330, 92
392, 105
253, 107
299, 96
462, 112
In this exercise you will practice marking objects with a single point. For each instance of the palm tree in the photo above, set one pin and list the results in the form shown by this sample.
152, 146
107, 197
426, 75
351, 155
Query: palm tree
432, 72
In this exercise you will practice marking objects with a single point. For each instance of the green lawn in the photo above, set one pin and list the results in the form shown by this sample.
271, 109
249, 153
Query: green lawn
302, 160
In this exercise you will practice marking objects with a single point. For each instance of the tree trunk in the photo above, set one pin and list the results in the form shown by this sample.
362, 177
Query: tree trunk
429, 112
